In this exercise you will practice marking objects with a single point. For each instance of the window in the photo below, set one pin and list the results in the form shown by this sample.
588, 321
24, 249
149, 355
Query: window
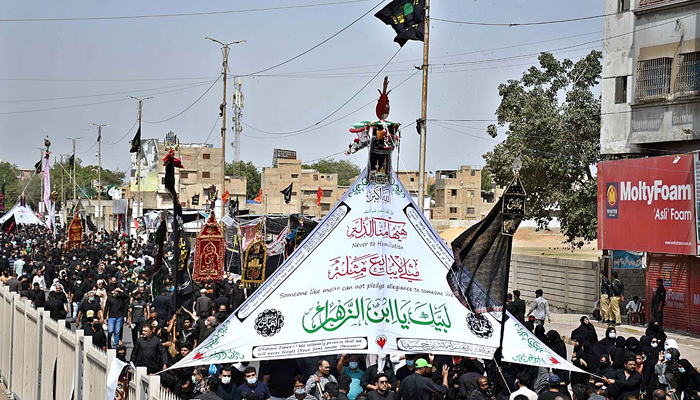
453, 192
206, 156
184, 175
325, 207
413, 179
295, 176
623, 5
162, 181
473, 173
316, 177
620, 89
688, 78
206, 174
184, 189
294, 193
471, 193
653, 79
327, 193
453, 210
470, 210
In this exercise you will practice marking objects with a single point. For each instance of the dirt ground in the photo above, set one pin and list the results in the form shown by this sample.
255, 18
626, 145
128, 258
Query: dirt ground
527, 241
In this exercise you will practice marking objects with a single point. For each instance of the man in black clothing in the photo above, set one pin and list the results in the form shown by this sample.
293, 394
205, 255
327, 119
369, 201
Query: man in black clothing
212, 386
138, 309
405, 371
419, 386
484, 391
115, 311
510, 305
94, 329
279, 376
382, 392
627, 380
553, 392
367, 381
519, 306
91, 304
55, 307
149, 352
658, 302
164, 304
37, 296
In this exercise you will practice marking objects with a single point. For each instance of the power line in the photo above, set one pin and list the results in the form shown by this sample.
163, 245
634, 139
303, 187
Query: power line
317, 45
341, 106
94, 103
512, 24
104, 80
324, 125
125, 135
188, 107
102, 94
192, 14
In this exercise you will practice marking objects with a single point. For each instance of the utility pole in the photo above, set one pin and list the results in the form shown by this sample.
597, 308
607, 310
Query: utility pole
139, 207
75, 197
99, 175
424, 111
63, 197
237, 127
224, 49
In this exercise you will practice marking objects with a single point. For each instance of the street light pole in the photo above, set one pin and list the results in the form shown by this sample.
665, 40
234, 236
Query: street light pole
139, 207
99, 174
224, 49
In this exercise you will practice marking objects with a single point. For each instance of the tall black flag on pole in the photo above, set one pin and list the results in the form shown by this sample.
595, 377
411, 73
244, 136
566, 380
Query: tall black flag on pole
181, 250
287, 192
479, 276
136, 142
71, 161
37, 167
9, 225
407, 17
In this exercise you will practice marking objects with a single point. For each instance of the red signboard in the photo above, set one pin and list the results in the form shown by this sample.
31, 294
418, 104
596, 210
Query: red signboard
647, 204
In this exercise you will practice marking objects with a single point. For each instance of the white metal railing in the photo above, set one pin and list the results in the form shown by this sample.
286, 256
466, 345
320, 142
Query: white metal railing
653, 79
43, 359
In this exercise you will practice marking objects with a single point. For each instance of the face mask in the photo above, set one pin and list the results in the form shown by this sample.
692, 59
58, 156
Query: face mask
410, 363
252, 381
352, 364
92, 299
654, 344
194, 379
226, 380
602, 365
299, 391
681, 370
121, 356
612, 335
667, 356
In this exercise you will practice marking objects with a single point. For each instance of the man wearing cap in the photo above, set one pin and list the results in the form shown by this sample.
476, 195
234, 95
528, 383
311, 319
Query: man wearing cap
553, 391
88, 309
419, 386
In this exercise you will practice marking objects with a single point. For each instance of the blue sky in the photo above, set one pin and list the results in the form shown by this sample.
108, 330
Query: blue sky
87, 60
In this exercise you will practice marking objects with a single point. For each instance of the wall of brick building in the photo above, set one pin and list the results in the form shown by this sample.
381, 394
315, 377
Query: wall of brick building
634, 281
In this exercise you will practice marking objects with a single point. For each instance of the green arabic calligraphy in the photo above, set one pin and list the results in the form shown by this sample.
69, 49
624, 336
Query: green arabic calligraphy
213, 339
360, 188
534, 344
526, 359
225, 355
330, 316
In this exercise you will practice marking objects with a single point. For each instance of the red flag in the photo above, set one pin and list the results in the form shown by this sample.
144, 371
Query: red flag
319, 196
258, 199
224, 198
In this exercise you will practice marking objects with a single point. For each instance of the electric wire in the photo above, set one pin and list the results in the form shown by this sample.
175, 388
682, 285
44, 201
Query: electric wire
337, 109
512, 24
188, 107
176, 15
125, 135
317, 45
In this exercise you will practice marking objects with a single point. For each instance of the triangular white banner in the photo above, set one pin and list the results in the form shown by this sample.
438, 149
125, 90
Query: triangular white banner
371, 278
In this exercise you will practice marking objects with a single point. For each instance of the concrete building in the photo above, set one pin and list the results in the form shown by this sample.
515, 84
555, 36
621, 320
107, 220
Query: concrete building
458, 194
304, 189
651, 77
202, 170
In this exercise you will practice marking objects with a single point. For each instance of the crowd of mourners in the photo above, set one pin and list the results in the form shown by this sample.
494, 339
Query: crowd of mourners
104, 288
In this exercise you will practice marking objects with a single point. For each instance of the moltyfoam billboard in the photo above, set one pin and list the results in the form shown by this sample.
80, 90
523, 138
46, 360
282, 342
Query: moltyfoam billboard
648, 204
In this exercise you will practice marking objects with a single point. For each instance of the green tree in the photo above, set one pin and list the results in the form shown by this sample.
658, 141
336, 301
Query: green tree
344, 168
486, 179
84, 176
553, 121
251, 174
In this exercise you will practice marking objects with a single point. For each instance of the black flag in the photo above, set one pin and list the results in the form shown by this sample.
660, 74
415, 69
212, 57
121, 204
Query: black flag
287, 192
195, 200
184, 288
233, 208
37, 167
407, 17
9, 225
71, 161
136, 142
90, 225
